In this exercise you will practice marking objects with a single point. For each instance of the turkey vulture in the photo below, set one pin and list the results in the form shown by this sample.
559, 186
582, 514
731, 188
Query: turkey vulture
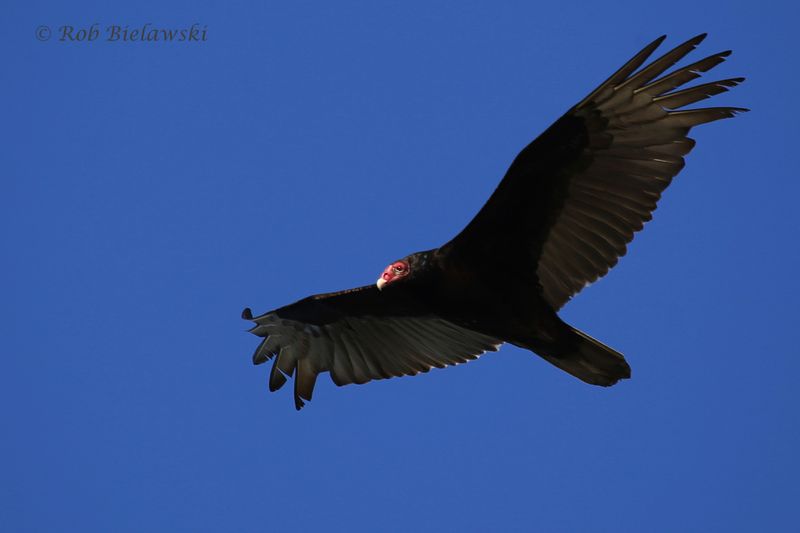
560, 219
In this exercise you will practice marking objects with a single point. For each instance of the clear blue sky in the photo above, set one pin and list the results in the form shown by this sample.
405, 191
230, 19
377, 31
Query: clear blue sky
150, 191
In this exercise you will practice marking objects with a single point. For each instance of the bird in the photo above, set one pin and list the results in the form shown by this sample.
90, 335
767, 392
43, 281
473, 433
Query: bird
561, 217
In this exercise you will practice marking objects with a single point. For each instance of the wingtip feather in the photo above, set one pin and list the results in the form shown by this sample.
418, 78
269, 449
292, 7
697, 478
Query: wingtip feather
260, 356
276, 378
697, 39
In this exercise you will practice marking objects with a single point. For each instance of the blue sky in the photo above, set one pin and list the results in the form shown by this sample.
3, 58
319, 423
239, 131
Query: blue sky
150, 191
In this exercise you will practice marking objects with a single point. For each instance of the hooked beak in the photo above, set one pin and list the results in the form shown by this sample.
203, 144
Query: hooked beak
380, 283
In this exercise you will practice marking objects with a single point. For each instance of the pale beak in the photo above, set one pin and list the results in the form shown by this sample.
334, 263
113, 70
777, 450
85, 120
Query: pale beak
380, 283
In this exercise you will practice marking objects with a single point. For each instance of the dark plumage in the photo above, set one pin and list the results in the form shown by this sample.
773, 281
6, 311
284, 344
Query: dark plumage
560, 219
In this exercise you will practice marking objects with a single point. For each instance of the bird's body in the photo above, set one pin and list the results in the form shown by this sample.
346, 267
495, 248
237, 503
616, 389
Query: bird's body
560, 218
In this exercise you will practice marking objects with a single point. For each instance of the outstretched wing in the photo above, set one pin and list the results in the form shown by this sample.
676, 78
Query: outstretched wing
573, 199
358, 335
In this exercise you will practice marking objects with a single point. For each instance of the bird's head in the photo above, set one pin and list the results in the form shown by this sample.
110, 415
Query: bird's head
395, 271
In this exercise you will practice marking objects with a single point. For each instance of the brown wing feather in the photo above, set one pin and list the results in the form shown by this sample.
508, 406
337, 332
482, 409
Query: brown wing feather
634, 159
573, 199
358, 335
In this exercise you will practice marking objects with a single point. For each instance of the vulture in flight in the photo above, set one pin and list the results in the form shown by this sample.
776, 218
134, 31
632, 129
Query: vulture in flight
561, 217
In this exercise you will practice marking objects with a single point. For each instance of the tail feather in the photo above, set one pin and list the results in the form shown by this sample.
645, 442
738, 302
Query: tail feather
591, 361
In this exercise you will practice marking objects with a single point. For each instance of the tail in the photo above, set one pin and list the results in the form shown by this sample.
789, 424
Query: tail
590, 360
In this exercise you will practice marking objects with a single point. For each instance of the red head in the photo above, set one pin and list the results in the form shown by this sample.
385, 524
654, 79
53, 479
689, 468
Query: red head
393, 272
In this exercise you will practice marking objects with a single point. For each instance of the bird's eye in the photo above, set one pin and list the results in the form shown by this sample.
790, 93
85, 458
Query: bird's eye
399, 269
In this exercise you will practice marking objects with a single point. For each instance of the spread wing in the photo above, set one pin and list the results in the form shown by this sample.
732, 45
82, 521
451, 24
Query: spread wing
573, 199
359, 335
